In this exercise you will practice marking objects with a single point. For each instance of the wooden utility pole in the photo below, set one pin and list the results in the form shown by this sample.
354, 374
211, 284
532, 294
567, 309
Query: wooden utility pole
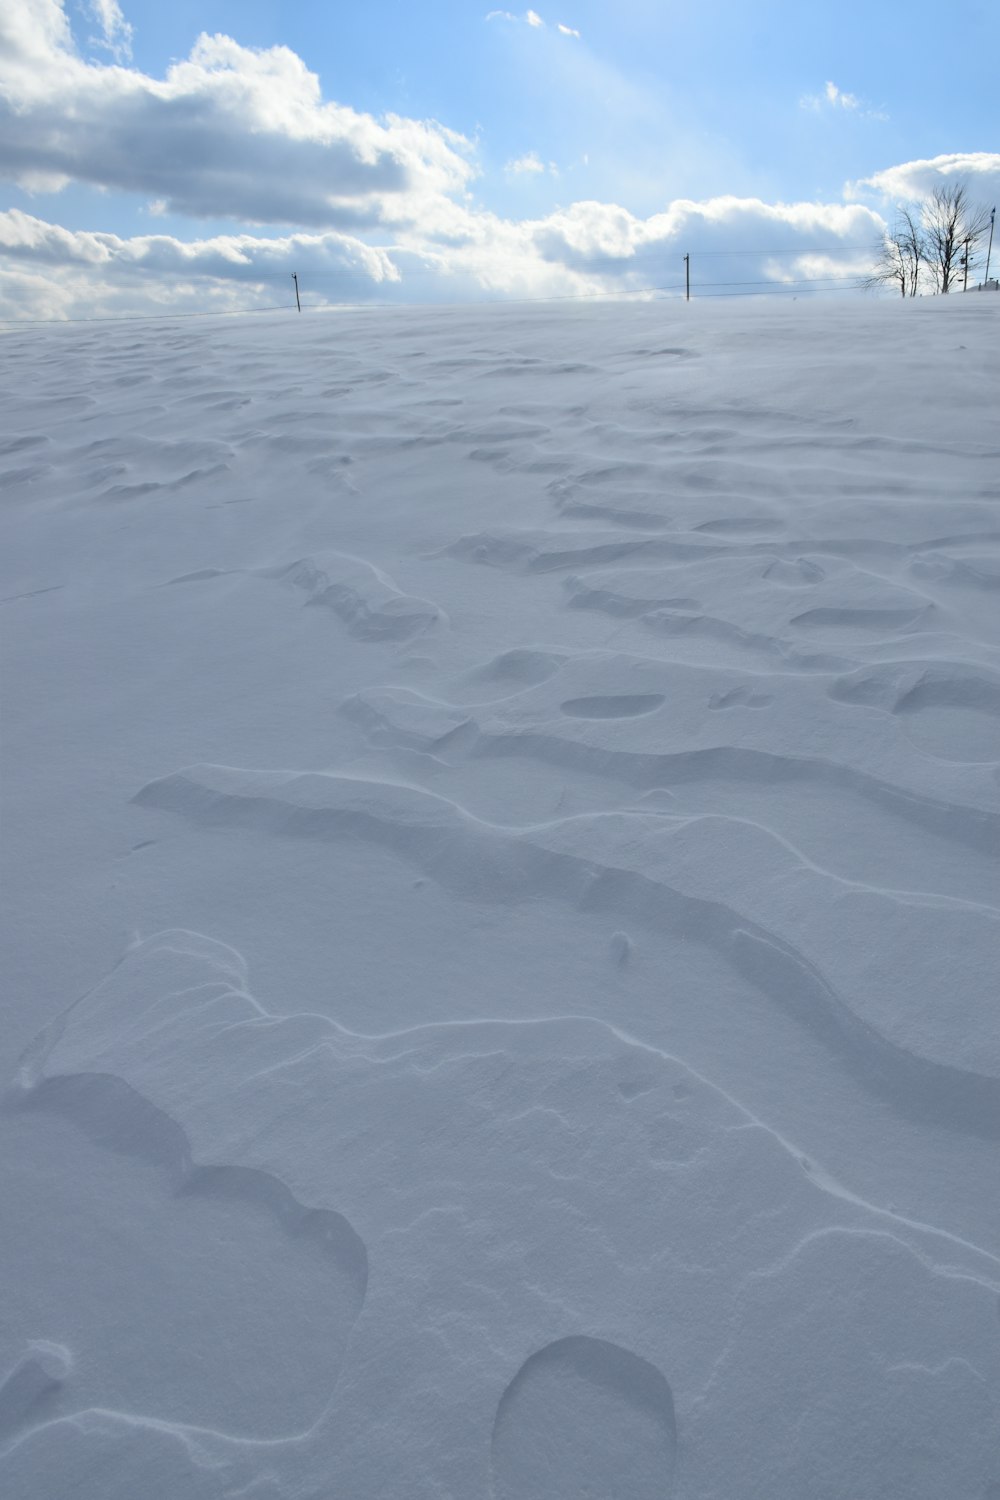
965, 278
989, 252
687, 278
295, 278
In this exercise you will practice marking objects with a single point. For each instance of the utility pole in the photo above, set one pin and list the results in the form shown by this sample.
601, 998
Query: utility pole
989, 252
295, 278
965, 278
687, 278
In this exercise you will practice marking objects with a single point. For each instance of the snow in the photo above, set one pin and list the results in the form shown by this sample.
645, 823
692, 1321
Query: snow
501, 811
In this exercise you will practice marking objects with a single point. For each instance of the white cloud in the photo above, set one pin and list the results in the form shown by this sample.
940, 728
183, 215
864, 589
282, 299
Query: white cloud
116, 31
593, 248
460, 253
834, 98
110, 273
838, 97
913, 181
33, 31
230, 131
240, 257
567, 30
246, 133
592, 235
529, 163
530, 18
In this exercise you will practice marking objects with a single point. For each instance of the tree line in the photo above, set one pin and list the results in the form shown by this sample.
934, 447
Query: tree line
933, 247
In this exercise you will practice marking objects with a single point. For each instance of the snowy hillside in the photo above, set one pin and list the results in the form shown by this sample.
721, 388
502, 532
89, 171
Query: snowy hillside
501, 814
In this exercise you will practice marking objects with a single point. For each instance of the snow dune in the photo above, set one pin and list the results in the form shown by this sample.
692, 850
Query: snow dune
500, 861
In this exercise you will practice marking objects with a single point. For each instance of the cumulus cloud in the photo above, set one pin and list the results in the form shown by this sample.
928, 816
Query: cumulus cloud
109, 272
767, 241
567, 30
116, 32
587, 249
231, 131
530, 163
33, 31
376, 208
915, 181
594, 249
235, 257
533, 18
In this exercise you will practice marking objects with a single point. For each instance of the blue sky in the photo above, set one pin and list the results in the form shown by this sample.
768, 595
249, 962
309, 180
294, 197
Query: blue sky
409, 150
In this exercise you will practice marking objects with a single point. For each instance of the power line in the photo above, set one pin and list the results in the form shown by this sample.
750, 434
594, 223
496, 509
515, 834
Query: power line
624, 291
802, 281
778, 291
702, 290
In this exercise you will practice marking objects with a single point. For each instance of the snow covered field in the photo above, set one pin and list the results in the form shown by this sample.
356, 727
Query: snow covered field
501, 811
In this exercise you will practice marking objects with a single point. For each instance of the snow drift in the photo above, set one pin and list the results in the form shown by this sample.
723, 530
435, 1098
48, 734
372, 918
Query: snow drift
501, 824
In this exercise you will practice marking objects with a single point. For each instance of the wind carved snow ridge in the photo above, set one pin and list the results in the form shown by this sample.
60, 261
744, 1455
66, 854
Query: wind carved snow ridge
376, 1139
114, 1045
726, 883
541, 551
180, 994
530, 728
362, 596
379, 1127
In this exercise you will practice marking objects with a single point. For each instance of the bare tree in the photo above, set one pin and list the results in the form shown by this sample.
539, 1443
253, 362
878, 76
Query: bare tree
901, 255
951, 225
